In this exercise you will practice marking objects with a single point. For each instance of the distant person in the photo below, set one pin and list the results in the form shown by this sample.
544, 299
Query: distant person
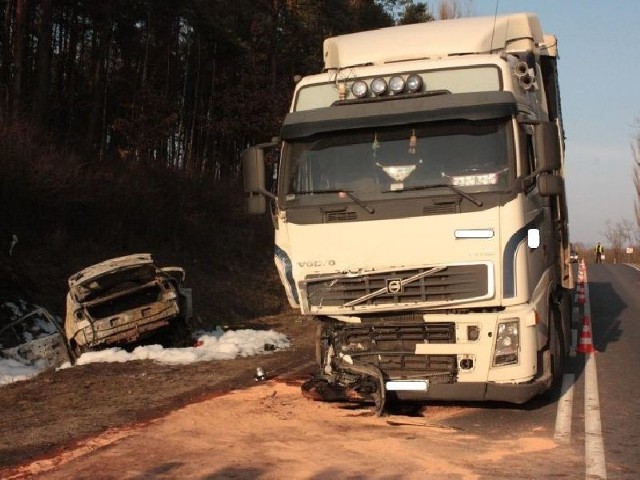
599, 251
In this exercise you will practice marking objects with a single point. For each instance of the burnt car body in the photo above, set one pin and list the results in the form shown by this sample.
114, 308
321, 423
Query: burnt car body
31, 335
124, 300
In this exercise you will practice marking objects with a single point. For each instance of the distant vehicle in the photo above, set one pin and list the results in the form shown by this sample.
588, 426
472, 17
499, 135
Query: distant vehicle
573, 257
123, 300
30, 335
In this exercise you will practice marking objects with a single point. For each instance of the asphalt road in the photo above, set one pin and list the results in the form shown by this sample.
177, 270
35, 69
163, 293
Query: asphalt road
615, 310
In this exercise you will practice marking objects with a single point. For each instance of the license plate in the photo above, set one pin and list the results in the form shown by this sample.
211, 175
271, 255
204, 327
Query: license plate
411, 385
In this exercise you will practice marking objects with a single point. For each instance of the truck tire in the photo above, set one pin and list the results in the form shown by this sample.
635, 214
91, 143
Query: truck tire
76, 351
566, 309
322, 343
177, 334
556, 347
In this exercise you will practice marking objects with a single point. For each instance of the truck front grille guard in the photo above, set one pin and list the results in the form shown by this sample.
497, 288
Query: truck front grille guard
437, 284
391, 349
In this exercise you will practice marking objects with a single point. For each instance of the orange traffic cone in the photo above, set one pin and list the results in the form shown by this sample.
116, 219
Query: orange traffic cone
585, 343
581, 271
580, 296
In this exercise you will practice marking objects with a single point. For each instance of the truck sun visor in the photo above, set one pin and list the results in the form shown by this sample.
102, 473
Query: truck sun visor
464, 106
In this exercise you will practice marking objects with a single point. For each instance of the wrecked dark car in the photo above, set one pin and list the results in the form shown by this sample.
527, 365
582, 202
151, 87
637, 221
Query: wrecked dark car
31, 335
125, 300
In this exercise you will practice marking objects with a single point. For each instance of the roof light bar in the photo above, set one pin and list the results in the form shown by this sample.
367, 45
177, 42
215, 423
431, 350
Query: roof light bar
379, 86
359, 89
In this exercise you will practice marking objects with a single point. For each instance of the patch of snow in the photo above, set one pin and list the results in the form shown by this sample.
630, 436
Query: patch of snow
216, 345
13, 371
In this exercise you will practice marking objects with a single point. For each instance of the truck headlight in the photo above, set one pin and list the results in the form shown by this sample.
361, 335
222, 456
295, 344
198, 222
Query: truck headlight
414, 83
359, 89
378, 86
507, 343
396, 84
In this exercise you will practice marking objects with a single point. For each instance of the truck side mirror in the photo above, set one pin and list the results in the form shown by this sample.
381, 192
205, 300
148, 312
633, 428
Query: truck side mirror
254, 180
547, 142
550, 184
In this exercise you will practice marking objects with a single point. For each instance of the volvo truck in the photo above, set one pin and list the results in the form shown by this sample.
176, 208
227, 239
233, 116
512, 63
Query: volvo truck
420, 212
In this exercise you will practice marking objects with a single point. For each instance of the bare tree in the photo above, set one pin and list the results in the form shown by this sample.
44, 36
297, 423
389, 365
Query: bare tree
448, 9
619, 236
44, 60
18, 53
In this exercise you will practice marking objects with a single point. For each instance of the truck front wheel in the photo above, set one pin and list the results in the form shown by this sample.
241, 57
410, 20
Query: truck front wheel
556, 348
322, 342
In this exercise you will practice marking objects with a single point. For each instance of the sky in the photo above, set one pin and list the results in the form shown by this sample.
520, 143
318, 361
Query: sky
599, 70
216, 345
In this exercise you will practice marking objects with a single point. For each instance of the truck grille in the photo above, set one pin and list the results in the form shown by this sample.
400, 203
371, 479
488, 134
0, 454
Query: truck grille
391, 348
438, 284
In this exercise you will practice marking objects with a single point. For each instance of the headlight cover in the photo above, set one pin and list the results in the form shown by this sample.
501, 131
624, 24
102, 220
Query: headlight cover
507, 343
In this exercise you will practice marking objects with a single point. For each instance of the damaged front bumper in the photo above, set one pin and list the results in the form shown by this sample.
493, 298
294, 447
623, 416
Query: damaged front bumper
353, 382
410, 359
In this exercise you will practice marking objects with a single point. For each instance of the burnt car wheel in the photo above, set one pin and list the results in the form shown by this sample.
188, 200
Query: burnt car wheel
176, 335
77, 351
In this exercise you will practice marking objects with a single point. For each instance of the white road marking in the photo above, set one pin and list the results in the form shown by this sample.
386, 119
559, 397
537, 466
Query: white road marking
633, 266
595, 464
565, 407
593, 441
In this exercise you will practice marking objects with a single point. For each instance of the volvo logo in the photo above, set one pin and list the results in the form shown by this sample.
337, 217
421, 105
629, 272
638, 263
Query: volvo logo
394, 285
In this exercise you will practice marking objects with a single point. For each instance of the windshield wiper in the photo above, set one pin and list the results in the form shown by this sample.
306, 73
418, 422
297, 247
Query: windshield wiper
348, 193
453, 188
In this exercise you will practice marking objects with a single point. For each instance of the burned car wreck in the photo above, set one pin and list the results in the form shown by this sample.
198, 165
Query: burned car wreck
31, 335
124, 300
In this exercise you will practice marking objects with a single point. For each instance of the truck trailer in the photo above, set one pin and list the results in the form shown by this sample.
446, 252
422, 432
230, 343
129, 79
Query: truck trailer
420, 212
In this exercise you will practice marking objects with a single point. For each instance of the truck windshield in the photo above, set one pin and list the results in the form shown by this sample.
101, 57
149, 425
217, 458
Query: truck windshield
471, 156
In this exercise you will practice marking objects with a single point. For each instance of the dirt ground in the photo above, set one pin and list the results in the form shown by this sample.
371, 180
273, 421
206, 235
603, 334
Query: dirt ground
57, 410
269, 430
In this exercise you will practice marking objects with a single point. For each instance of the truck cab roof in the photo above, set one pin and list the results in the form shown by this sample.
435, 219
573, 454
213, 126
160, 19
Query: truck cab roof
463, 36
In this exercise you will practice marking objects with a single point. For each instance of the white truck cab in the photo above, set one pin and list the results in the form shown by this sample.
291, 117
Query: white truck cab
420, 212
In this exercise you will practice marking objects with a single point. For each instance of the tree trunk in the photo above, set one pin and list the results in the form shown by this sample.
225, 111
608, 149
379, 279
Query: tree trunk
5, 72
69, 77
44, 62
18, 55
101, 58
